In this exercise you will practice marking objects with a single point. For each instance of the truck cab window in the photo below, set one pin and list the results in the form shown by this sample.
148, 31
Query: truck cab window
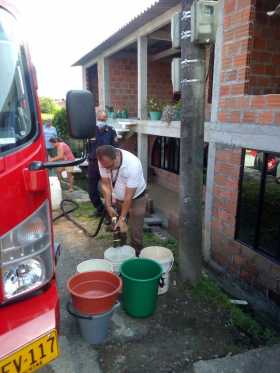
17, 124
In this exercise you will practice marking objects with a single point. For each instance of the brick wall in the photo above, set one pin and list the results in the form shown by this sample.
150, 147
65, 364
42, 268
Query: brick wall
240, 28
159, 81
264, 74
237, 259
123, 84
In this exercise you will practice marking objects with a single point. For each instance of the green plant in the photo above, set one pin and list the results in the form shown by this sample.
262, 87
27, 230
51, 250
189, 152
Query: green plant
110, 109
60, 123
209, 291
154, 104
178, 105
47, 105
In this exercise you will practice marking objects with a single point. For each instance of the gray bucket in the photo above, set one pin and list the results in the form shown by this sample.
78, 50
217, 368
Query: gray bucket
93, 328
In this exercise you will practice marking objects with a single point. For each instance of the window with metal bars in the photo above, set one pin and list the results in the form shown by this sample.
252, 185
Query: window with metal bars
258, 214
166, 154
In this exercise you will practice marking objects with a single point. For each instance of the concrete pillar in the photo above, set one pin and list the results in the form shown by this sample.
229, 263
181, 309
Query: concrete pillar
209, 197
217, 65
104, 82
142, 152
142, 65
84, 77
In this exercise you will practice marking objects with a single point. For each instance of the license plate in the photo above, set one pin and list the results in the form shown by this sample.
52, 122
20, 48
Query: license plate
33, 356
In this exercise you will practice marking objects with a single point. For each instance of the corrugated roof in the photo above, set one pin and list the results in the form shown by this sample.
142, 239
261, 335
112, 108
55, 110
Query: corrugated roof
152, 12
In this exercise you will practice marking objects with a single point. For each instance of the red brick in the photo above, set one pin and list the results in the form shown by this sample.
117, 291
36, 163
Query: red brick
277, 118
249, 117
241, 60
259, 43
226, 169
243, 31
229, 6
237, 89
225, 89
276, 59
265, 117
273, 101
241, 4
258, 102
235, 117
223, 117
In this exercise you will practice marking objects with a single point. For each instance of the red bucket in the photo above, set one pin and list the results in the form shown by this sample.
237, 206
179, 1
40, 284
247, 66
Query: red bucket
94, 292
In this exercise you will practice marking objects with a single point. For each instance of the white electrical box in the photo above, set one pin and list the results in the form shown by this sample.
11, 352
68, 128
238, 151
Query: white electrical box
175, 30
204, 16
176, 74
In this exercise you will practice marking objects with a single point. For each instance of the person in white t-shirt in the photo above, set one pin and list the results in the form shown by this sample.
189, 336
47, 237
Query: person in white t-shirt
123, 185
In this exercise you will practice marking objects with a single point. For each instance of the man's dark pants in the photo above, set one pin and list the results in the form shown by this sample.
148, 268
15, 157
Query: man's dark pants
93, 180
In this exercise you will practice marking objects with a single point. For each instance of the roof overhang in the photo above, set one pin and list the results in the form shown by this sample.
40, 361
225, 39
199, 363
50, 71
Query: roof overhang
148, 15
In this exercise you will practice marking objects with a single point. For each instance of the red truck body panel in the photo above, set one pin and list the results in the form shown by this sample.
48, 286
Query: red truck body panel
22, 192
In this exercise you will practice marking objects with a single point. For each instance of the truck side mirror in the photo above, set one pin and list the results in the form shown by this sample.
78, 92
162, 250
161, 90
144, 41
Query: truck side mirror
81, 116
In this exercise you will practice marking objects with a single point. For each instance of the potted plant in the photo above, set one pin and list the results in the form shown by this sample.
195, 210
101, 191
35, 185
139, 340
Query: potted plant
154, 108
178, 107
110, 112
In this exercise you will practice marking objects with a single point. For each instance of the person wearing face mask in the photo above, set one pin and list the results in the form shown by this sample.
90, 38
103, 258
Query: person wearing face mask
105, 135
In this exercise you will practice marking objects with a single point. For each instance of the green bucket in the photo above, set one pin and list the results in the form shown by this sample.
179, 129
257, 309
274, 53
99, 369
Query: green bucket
141, 278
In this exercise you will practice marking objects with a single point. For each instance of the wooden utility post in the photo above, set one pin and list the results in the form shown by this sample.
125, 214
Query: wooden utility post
191, 157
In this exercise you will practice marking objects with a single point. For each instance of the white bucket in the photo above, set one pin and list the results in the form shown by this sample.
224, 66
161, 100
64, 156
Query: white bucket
56, 192
95, 265
117, 255
165, 258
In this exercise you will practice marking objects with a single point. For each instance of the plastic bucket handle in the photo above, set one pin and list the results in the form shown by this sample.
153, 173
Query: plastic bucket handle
71, 311
161, 282
171, 265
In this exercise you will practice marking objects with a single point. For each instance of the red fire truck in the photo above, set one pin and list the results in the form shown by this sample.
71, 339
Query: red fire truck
29, 303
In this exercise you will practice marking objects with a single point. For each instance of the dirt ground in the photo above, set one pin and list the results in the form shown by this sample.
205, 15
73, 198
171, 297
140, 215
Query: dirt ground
183, 329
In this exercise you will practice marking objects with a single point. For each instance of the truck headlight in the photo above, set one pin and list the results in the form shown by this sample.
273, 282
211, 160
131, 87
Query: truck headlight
25, 275
26, 257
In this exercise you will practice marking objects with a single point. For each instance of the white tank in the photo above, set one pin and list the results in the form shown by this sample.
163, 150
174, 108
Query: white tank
56, 192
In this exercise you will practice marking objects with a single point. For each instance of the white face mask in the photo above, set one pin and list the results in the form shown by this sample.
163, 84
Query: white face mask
101, 124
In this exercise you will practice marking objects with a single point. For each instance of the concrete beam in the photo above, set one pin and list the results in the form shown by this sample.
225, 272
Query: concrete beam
160, 35
252, 136
159, 128
167, 53
142, 76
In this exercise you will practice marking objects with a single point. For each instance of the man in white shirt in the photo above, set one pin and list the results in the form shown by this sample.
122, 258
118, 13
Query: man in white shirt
123, 185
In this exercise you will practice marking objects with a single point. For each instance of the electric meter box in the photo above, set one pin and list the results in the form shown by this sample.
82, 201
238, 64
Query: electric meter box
176, 74
204, 17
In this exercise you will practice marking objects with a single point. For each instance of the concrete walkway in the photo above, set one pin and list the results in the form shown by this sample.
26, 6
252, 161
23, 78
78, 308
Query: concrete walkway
261, 360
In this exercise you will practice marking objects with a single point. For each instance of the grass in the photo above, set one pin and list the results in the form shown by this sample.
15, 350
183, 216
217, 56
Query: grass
84, 210
207, 290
